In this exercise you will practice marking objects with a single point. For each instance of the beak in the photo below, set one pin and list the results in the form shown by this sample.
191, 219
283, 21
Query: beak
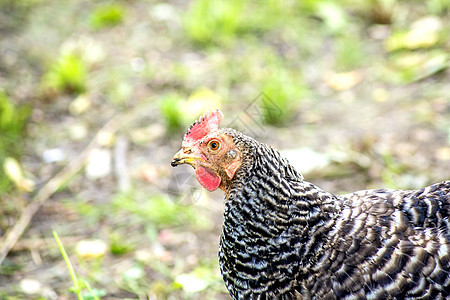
184, 156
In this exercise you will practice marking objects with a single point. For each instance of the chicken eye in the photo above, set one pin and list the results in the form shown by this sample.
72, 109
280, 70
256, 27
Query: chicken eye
214, 145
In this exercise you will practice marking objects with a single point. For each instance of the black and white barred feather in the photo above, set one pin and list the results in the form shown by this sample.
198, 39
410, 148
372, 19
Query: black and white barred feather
284, 238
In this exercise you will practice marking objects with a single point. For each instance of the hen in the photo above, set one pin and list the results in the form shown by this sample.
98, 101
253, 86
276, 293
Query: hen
285, 238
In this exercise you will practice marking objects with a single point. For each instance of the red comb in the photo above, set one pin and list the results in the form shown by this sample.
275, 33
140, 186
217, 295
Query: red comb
205, 124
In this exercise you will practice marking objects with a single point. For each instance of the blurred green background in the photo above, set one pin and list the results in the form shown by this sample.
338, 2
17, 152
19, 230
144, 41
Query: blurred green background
355, 94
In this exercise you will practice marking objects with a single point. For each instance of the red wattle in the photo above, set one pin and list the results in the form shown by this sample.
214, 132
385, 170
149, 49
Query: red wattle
207, 178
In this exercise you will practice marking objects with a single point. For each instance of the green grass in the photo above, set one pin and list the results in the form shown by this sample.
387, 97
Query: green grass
283, 90
145, 216
159, 210
119, 244
107, 15
407, 67
278, 49
170, 106
214, 21
67, 74
155, 211
438, 6
350, 52
79, 286
13, 120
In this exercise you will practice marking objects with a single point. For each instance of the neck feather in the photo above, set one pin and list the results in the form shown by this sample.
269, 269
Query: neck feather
269, 199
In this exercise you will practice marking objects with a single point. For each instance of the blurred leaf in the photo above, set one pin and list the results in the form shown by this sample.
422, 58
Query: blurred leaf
171, 110
343, 81
119, 244
410, 67
424, 33
282, 91
133, 274
191, 283
438, 6
179, 113
161, 289
14, 172
67, 74
120, 92
132, 279
91, 249
333, 15
196, 281
214, 21
160, 210
12, 118
200, 101
350, 52
410, 40
107, 15
90, 50
94, 294
80, 104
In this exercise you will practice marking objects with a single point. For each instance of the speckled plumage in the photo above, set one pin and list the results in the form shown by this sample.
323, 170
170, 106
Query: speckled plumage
284, 238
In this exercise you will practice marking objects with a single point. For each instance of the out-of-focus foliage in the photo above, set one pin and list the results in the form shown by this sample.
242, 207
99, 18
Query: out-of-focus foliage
214, 21
362, 85
171, 107
438, 6
14, 172
80, 287
119, 244
160, 211
12, 124
409, 67
107, 15
12, 121
284, 89
67, 74
179, 113
350, 52
69, 71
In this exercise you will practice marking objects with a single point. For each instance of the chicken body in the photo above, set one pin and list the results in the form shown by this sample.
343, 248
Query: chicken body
284, 238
